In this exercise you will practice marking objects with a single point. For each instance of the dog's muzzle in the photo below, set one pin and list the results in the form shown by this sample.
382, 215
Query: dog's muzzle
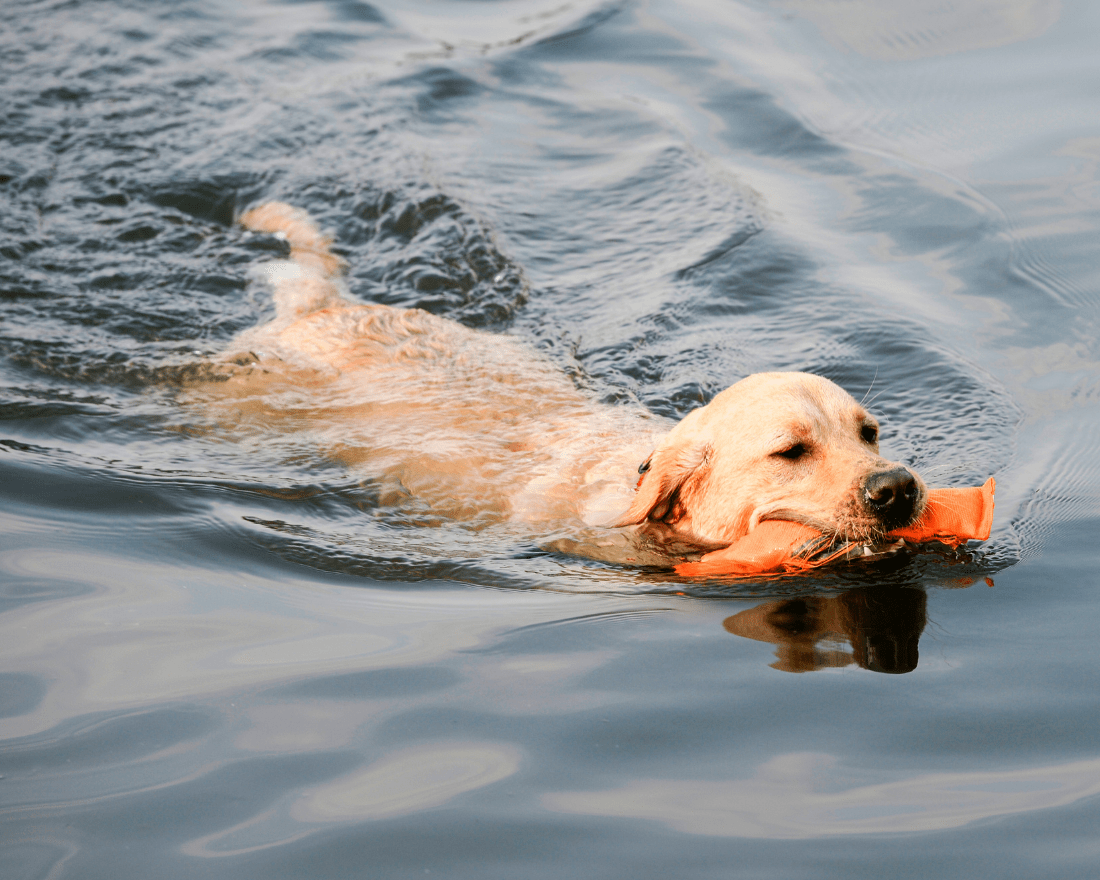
891, 496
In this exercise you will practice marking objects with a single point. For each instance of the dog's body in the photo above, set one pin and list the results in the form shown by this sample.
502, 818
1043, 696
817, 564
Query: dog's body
477, 427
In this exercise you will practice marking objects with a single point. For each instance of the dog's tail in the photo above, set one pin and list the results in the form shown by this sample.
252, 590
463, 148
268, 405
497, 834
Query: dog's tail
309, 247
311, 281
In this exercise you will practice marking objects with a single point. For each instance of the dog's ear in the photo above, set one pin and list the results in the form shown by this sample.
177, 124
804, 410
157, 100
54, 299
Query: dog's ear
664, 475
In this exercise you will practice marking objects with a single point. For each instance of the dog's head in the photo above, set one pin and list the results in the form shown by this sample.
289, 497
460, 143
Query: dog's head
788, 446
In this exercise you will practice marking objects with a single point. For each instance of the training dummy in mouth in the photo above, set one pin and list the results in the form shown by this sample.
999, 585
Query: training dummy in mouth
951, 516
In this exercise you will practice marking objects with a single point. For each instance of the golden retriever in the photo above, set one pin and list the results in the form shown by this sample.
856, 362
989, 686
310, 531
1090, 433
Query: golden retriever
476, 426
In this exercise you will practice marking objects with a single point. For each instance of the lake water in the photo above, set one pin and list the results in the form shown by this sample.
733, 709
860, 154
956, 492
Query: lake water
224, 655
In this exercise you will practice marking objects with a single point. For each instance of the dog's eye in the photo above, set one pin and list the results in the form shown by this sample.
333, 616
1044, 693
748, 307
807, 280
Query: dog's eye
869, 433
793, 453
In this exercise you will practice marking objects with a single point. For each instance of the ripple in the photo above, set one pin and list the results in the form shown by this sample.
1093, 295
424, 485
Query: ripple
788, 800
408, 781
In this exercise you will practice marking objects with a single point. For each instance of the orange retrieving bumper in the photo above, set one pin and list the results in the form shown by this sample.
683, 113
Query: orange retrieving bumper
951, 516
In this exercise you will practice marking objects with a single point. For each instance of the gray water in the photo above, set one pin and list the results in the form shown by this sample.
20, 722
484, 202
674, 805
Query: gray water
227, 656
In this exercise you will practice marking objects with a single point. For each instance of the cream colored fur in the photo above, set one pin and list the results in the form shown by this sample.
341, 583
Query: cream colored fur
478, 427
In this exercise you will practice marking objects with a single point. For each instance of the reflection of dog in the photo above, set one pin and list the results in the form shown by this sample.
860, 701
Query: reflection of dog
477, 427
881, 624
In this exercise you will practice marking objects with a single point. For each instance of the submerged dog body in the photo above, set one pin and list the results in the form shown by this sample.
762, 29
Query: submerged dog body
474, 426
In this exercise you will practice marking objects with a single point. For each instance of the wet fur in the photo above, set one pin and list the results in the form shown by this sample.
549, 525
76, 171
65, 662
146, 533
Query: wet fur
478, 427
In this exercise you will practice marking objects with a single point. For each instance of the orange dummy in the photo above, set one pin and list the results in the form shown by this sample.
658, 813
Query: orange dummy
951, 516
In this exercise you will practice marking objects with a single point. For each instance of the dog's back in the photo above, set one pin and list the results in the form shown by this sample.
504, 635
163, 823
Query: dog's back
474, 426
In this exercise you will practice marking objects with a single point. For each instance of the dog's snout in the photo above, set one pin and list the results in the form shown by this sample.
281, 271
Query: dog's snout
892, 496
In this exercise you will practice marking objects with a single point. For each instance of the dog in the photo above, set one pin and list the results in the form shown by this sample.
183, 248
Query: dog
473, 426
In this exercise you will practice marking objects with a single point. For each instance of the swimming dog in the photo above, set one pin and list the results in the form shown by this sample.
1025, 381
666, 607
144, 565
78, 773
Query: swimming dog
477, 427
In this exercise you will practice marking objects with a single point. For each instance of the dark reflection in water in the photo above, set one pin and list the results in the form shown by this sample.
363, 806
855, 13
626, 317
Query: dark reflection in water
881, 626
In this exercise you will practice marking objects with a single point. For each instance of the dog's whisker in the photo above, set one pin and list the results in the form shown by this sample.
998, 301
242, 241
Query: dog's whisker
943, 504
867, 405
935, 470
863, 402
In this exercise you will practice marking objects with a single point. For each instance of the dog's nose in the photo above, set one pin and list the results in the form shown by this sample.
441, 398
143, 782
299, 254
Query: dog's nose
892, 496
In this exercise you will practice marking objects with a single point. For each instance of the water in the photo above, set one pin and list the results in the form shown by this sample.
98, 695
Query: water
225, 654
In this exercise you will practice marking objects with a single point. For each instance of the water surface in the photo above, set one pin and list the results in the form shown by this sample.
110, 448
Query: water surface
225, 655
